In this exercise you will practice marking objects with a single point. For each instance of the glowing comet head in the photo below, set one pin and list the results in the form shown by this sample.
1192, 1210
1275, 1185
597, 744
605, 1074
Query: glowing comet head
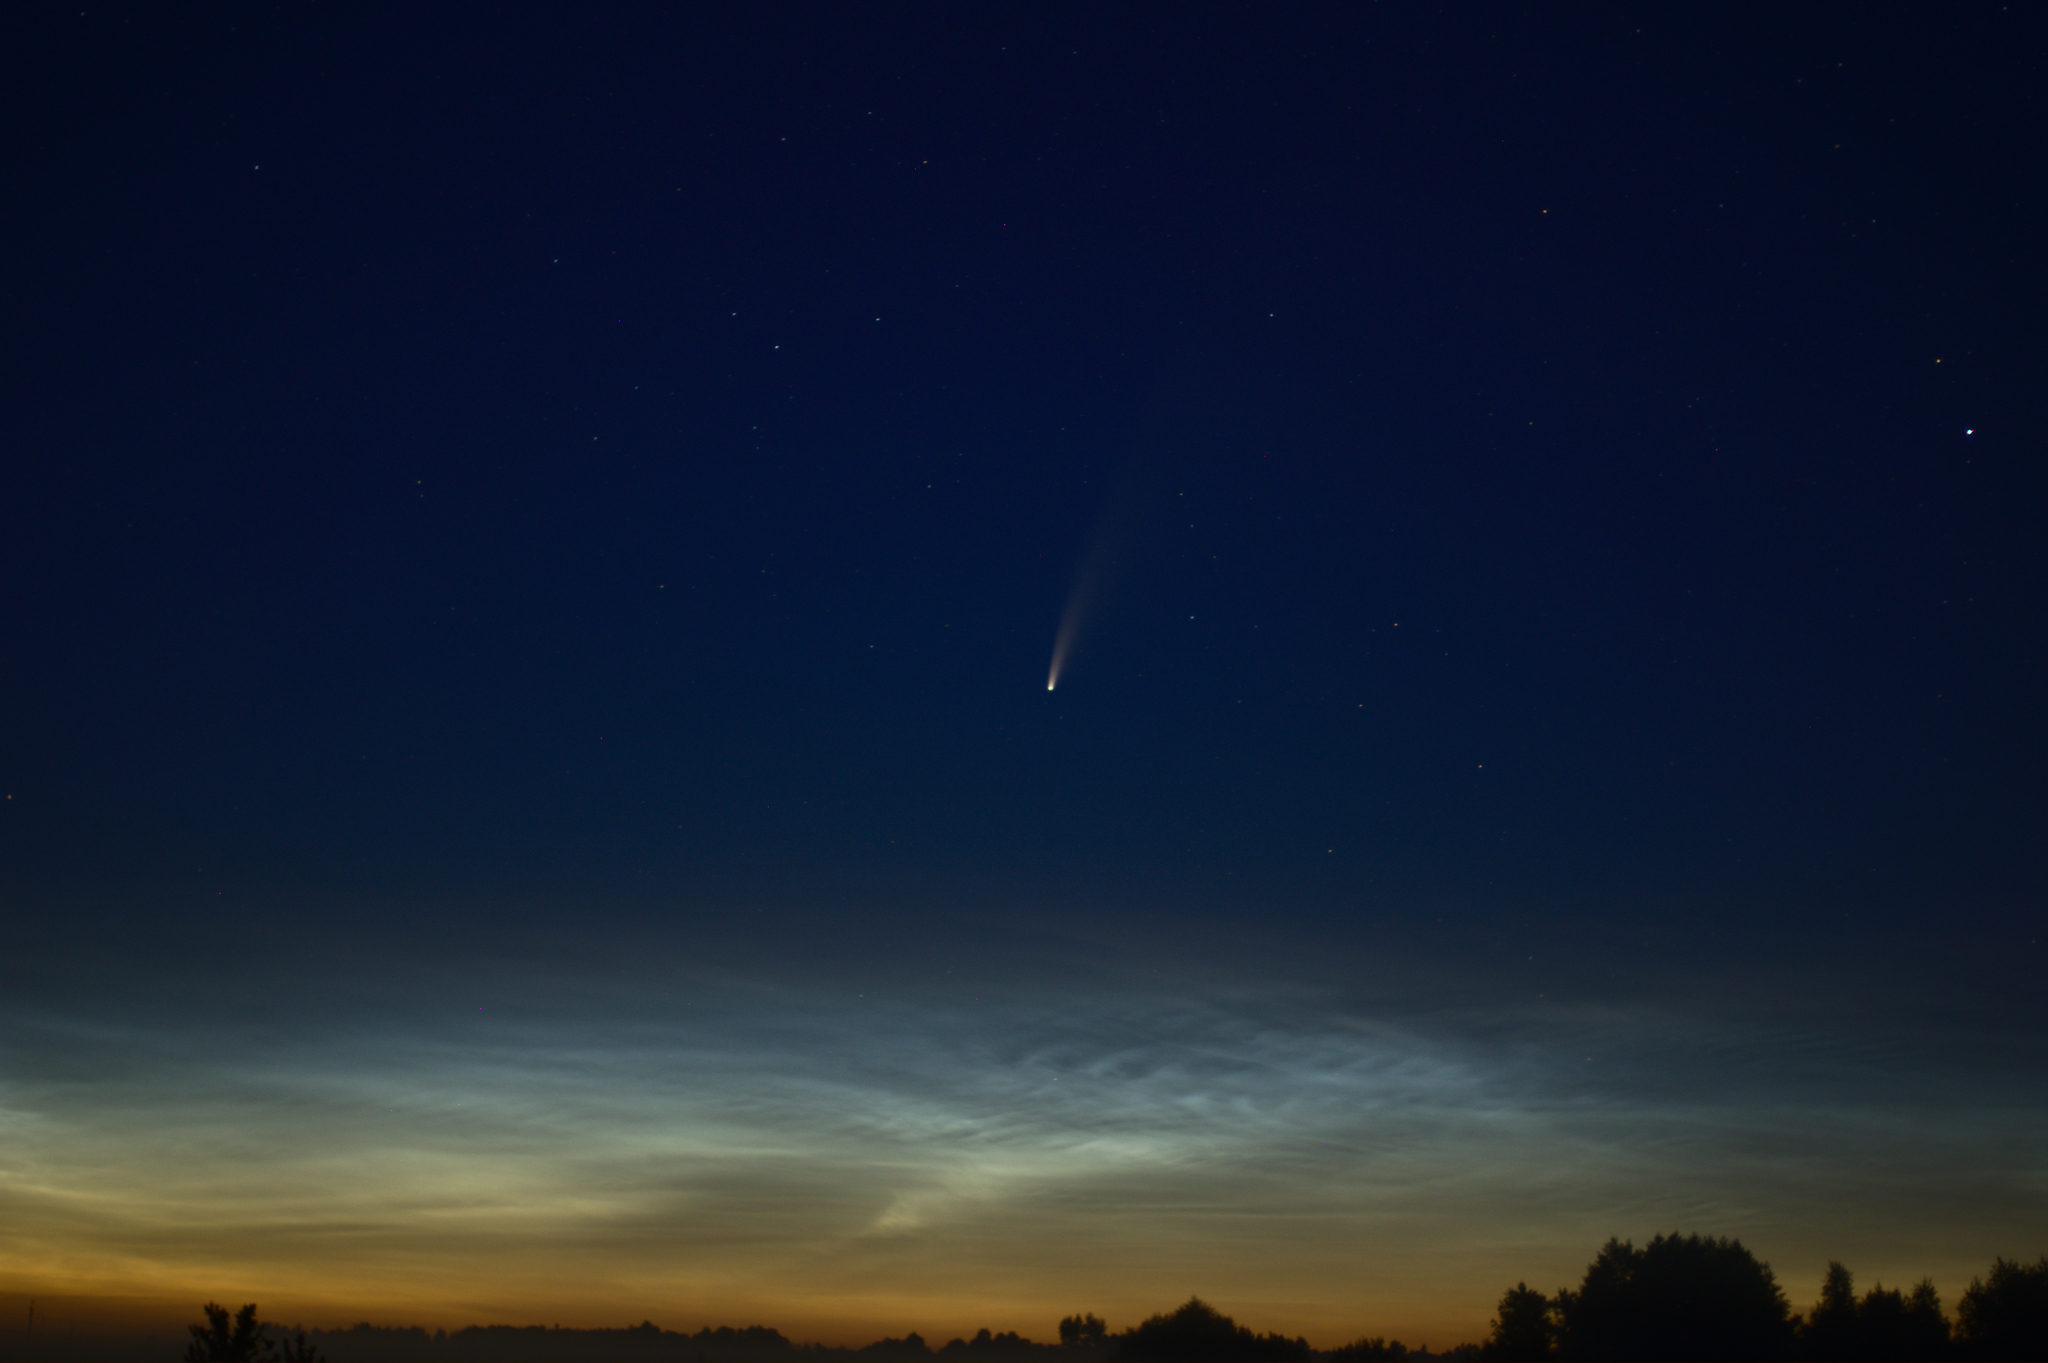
1059, 649
1070, 619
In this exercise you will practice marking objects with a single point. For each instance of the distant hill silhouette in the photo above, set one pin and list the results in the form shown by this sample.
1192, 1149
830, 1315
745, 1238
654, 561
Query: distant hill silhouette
647, 1341
1195, 1325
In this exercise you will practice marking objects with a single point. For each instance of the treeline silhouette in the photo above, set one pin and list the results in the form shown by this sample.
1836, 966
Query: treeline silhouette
1676, 1298
1697, 1298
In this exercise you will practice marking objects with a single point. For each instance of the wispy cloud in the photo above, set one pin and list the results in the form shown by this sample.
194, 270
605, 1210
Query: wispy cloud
706, 1136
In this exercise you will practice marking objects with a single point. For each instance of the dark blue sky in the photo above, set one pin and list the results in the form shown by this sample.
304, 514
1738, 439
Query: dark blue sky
500, 503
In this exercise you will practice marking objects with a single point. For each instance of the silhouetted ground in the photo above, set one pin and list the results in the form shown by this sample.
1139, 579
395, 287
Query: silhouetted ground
1677, 1298
647, 1343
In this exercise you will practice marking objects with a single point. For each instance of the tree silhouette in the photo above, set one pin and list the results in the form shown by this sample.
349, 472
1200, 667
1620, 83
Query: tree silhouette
1886, 1326
2006, 1315
1523, 1328
1198, 1330
1081, 1332
1830, 1333
1677, 1298
1893, 1327
218, 1342
243, 1341
297, 1350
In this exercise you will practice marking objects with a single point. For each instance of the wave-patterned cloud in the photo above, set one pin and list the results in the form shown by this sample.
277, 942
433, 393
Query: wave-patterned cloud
662, 1133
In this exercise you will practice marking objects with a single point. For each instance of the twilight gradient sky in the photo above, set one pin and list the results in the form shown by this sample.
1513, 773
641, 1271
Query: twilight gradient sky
534, 544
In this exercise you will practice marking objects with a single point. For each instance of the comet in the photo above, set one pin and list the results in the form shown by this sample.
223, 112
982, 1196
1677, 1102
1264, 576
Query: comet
1098, 569
1070, 620
1062, 642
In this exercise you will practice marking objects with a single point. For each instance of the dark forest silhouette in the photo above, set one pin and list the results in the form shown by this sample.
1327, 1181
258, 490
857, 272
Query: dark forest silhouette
1676, 1298
1695, 1297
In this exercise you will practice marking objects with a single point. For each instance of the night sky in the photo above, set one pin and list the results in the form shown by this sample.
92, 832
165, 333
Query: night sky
534, 547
